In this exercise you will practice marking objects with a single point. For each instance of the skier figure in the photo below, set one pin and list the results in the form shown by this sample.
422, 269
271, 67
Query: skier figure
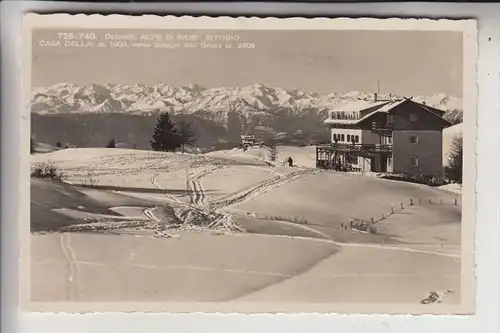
290, 162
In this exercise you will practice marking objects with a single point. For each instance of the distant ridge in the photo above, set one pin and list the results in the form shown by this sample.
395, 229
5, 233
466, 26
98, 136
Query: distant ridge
249, 100
89, 115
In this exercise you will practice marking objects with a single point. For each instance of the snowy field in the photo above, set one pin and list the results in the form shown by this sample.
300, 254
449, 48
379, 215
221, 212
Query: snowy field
228, 226
302, 156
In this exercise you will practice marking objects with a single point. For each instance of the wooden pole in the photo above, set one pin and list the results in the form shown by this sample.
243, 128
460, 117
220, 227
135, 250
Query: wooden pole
317, 156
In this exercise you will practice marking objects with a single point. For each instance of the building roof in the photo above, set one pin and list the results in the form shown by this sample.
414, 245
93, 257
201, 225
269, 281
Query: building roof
359, 105
378, 107
391, 105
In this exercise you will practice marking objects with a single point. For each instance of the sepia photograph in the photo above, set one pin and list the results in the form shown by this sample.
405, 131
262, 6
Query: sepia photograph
310, 163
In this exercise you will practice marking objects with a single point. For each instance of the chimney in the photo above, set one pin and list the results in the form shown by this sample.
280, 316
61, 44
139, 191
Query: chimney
376, 97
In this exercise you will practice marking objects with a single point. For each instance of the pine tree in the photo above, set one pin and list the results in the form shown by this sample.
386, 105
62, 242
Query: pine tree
111, 143
165, 136
273, 153
455, 159
185, 133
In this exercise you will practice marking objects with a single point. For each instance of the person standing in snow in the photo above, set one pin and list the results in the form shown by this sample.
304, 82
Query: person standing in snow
290, 162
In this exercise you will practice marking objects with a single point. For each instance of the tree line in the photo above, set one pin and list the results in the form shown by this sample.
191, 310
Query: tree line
167, 135
454, 168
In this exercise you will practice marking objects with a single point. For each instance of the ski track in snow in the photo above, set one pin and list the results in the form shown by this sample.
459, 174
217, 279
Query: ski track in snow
153, 166
259, 189
196, 190
198, 198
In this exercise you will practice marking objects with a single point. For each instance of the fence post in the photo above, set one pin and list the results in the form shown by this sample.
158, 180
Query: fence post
455, 201
411, 202
402, 206
392, 209
372, 219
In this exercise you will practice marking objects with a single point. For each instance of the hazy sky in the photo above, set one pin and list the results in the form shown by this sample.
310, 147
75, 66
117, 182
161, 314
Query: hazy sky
406, 62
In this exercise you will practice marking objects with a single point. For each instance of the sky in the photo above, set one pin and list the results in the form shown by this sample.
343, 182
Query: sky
408, 63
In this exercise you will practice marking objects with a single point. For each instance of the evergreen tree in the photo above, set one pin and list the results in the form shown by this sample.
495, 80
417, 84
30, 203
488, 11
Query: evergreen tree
59, 145
185, 133
165, 136
111, 143
455, 159
272, 152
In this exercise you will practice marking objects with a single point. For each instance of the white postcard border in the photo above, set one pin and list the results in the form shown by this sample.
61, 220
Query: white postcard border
488, 231
33, 21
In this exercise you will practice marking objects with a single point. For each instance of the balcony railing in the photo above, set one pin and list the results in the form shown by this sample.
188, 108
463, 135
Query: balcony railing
371, 148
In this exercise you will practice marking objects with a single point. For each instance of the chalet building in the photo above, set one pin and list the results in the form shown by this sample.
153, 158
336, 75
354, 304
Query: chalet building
394, 136
248, 140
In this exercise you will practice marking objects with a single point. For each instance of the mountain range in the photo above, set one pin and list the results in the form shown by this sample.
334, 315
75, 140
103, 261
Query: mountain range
225, 111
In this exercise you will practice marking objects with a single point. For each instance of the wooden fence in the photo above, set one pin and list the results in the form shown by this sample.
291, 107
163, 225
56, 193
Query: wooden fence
368, 224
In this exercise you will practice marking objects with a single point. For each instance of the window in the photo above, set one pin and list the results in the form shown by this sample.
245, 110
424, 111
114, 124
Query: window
389, 161
342, 137
413, 139
414, 161
413, 117
348, 137
356, 139
389, 140
390, 119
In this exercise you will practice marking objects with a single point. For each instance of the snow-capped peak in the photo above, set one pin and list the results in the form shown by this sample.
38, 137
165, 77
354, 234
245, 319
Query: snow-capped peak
256, 98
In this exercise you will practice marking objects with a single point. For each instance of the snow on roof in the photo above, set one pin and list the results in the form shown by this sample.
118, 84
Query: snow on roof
433, 110
341, 121
358, 106
388, 106
392, 104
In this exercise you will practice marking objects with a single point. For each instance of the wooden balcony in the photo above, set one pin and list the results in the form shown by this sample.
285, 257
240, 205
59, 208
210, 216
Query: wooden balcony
338, 155
353, 148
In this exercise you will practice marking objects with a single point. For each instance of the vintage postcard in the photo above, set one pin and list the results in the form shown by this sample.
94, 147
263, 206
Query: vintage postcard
187, 164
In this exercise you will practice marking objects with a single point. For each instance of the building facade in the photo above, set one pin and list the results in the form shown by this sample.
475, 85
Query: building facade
248, 140
394, 136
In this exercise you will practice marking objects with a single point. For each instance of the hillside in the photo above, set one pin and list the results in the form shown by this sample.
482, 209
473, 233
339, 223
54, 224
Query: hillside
90, 115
